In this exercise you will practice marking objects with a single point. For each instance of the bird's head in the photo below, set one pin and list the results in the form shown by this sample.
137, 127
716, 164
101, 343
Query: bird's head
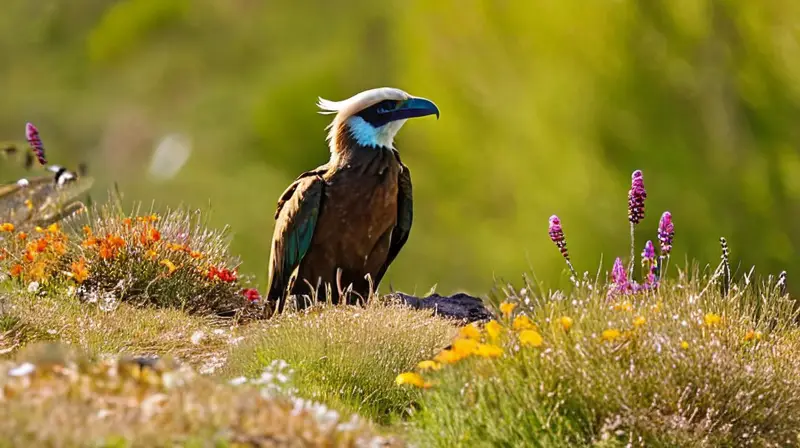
373, 117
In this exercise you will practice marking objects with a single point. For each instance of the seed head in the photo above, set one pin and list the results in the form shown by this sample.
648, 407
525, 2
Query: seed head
666, 231
636, 196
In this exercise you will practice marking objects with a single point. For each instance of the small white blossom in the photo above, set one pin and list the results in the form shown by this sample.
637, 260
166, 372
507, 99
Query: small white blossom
33, 286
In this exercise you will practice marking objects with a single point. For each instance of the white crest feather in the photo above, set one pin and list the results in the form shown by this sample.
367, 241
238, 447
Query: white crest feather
347, 108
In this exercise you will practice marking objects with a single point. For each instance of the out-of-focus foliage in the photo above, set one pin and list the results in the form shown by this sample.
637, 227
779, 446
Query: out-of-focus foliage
547, 106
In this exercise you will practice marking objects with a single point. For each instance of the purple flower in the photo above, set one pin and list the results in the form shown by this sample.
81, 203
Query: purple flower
636, 196
666, 231
649, 253
619, 280
32, 135
619, 276
557, 236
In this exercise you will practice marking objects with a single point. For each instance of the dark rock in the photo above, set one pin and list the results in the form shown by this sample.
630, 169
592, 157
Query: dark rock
462, 307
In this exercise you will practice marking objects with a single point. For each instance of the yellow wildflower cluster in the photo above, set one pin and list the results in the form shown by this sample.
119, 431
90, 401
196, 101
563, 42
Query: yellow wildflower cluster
485, 343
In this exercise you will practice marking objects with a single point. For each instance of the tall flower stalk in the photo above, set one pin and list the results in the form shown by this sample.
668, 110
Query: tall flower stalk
649, 264
636, 197
557, 236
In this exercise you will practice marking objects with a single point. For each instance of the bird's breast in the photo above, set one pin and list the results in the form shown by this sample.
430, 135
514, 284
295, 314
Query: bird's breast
358, 213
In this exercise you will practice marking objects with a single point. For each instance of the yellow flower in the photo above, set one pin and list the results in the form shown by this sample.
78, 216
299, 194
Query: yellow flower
470, 332
28, 204
522, 322
465, 347
411, 378
638, 321
752, 334
53, 228
712, 319
38, 229
170, 266
531, 338
151, 254
507, 307
493, 329
7, 227
488, 351
429, 365
624, 306
610, 335
684, 345
447, 357
566, 323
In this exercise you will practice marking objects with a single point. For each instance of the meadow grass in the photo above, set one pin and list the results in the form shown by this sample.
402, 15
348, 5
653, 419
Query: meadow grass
57, 397
347, 357
122, 329
680, 366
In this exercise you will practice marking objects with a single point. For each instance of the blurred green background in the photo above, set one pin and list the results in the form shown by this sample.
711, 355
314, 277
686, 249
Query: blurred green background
547, 106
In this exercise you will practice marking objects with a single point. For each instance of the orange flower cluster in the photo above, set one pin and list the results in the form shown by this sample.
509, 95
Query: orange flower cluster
38, 257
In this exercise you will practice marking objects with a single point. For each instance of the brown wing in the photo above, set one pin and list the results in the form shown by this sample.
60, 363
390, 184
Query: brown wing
295, 222
405, 215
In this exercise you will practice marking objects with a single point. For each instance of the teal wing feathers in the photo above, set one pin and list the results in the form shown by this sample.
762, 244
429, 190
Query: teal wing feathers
405, 216
295, 221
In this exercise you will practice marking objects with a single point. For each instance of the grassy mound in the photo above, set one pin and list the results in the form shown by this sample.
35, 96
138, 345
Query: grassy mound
57, 316
686, 366
346, 357
55, 397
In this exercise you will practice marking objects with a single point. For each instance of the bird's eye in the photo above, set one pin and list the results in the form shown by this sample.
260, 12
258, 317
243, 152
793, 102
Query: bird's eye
387, 106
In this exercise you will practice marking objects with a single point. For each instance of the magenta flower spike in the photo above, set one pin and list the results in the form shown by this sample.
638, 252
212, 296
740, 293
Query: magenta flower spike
557, 236
649, 253
35, 142
619, 279
649, 263
636, 196
666, 232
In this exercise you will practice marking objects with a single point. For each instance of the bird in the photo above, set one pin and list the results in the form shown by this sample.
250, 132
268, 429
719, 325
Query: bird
339, 226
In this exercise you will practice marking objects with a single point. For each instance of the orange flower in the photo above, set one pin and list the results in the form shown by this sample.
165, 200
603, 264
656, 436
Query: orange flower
7, 227
155, 235
59, 247
87, 230
41, 245
106, 252
195, 254
116, 241
22, 236
170, 266
89, 242
79, 271
127, 222
16, 270
30, 255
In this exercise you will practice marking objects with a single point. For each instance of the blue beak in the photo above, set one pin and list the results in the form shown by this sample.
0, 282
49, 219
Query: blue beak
415, 107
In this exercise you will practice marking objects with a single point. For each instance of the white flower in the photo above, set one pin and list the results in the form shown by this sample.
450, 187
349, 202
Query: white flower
238, 380
33, 286
22, 370
197, 336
